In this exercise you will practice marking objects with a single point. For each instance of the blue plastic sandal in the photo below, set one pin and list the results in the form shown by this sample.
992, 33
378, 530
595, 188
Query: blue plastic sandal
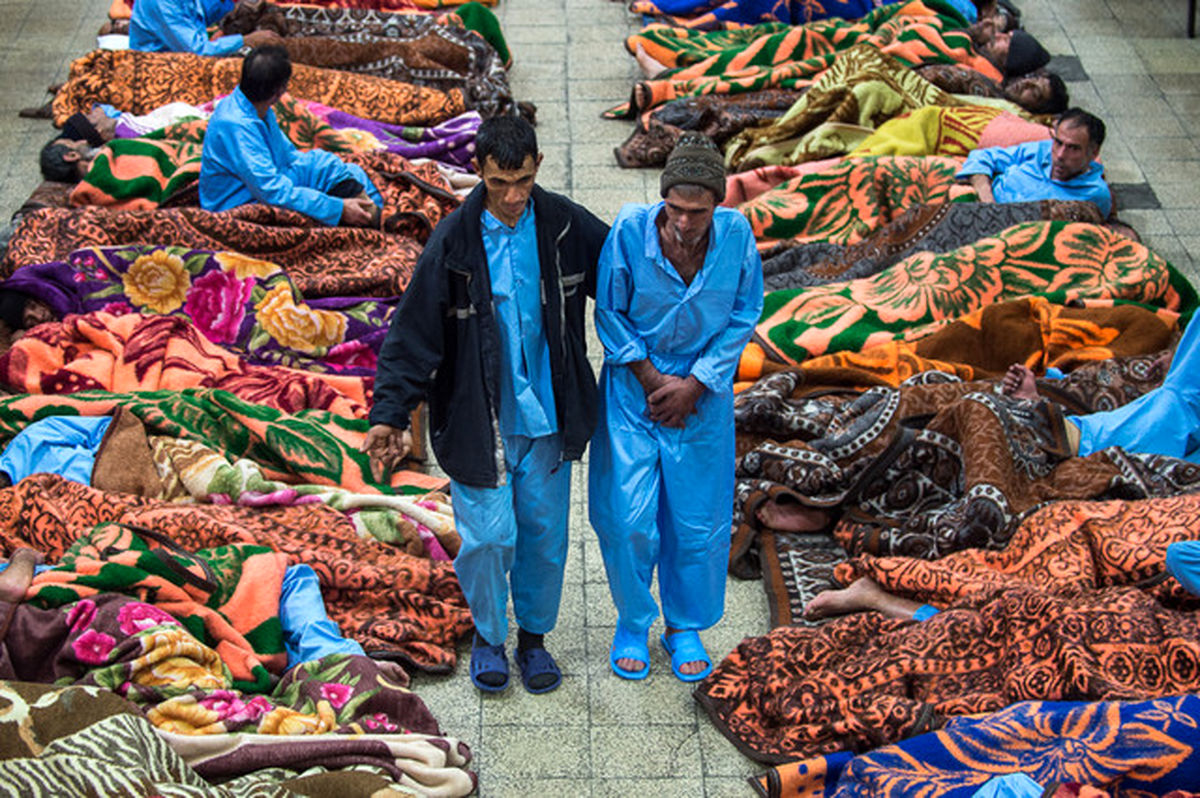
489, 659
535, 662
629, 645
685, 647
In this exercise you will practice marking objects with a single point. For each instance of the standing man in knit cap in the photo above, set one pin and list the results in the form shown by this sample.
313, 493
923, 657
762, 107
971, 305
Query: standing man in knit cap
679, 290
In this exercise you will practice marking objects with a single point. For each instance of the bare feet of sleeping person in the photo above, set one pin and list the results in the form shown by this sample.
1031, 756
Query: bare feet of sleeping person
792, 517
863, 594
1018, 382
650, 67
15, 579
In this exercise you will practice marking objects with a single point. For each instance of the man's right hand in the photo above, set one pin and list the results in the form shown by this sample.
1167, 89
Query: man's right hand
261, 38
357, 212
387, 446
983, 187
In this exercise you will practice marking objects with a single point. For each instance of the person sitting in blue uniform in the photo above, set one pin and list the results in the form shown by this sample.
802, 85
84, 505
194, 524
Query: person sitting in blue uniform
1063, 167
246, 158
491, 329
678, 293
181, 26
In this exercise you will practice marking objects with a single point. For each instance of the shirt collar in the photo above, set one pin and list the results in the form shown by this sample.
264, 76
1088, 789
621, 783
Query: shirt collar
493, 225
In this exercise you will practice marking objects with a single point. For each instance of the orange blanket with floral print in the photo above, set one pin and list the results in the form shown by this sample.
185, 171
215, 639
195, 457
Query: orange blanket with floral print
149, 353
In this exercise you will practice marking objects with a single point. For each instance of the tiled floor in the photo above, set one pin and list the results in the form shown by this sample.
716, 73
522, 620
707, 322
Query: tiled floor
597, 735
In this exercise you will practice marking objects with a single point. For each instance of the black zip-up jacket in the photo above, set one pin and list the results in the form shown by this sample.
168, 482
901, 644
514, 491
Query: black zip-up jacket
444, 339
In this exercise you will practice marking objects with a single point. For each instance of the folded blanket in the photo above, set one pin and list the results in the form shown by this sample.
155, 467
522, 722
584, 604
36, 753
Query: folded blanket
322, 260
774, 55
1079, 626
247, 306
139, 82
1061, 261
395, 605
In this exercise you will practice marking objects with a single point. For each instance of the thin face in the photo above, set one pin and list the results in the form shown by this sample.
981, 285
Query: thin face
104, 124
998, 49
1071, 152
1029, 91
36, 313
508, 190
689, 215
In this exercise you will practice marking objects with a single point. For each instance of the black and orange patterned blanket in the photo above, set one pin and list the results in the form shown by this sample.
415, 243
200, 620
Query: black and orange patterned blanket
1076, 608
322, 260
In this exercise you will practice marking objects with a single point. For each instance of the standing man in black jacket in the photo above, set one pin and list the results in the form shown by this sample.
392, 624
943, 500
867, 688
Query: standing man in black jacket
491, 331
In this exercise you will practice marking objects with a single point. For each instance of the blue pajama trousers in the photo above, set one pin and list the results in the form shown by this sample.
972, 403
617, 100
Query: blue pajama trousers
515, 534
662, 498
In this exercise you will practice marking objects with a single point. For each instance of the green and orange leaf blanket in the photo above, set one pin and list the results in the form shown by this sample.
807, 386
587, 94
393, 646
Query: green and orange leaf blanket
1060, 261
774, 55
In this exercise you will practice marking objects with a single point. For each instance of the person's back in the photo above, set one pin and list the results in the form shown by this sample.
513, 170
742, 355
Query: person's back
179, 26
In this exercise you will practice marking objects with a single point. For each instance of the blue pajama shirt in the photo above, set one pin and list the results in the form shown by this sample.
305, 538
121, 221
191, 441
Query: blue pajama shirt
180, 26
516, 533
661, 497
1022, 173
246, 159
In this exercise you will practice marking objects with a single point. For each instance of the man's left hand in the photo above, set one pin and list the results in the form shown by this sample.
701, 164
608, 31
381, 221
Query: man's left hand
675, 400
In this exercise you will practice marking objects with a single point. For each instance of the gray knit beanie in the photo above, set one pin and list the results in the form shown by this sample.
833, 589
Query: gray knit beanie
695, 160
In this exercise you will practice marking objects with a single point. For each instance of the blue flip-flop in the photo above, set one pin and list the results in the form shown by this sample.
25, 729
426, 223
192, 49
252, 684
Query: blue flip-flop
535, 662
629, 645
489, 659
685, 647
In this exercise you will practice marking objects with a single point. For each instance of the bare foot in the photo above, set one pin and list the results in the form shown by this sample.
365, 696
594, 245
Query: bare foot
695, 666
863, 594
631, 665
792, 517
15, 579
1018, 382
650, 67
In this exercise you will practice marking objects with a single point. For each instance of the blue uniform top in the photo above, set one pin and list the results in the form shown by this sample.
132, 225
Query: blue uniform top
1164, 421
526, 391
1021, 173
245, 159
644, 309
179, 26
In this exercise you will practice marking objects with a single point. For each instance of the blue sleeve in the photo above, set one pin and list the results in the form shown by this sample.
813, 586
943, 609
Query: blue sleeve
717, 364
989, 161
182, 31
246, 157
614, 288
308, 632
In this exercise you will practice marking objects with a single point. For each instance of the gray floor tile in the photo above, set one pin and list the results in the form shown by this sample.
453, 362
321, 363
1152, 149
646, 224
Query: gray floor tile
645, 752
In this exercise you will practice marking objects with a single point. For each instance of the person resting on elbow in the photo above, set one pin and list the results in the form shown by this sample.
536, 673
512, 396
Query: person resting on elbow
181, 26
246, 157
1063, 167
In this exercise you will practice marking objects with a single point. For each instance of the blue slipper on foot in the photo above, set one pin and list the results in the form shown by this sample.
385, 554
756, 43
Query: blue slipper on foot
535, 663
487, 660
629, 645
685, 647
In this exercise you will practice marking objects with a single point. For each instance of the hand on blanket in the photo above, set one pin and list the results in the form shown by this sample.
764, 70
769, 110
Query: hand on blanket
358, 212
387, 446
675, 400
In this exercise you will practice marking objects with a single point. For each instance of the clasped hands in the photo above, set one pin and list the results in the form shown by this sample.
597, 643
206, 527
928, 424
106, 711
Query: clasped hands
386, 446
669, 399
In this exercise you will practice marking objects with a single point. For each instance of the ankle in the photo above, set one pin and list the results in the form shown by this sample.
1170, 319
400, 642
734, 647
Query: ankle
528, 640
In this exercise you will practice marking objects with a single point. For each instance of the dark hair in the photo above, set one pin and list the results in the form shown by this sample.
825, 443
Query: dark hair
54, 164
507, 140
265, 71
1077, 116
1059, 98
12, 308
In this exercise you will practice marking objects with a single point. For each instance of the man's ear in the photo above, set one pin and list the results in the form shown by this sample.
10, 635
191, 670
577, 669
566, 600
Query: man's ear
537, 162
70, 156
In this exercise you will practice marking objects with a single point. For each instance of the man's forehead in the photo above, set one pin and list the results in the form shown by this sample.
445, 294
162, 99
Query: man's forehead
1072, 133
492, 170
